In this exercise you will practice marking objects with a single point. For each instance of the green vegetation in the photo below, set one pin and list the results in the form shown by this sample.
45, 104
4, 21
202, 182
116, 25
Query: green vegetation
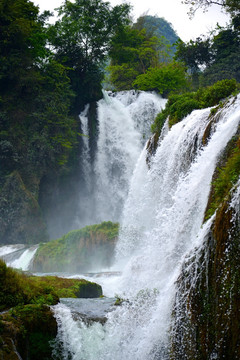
18, 289
179, 106
162, 79
225, 177
30, 330
231, 6
142, 49
68, 288
81, 39
28, 324
79, 250
212, 58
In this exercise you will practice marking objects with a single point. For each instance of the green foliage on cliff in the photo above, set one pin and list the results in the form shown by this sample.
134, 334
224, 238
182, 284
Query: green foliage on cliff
179, 106
80, 250
225, 177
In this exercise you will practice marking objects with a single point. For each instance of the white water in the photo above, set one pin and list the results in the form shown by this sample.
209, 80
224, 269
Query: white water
124, 122
161, 225
18, 256
8, 249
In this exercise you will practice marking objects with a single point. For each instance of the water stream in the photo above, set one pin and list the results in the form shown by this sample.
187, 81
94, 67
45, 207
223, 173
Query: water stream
161, 225
18, 256
124, 122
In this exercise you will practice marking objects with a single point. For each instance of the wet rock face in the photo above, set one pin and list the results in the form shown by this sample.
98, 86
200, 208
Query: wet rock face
207, 308
206, 313
151, 147
20, 215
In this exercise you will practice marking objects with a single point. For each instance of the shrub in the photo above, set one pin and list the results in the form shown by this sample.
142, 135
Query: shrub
179, 106
168, 77
220, 90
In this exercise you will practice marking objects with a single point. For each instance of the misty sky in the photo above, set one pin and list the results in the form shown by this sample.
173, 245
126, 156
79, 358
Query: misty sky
172, 10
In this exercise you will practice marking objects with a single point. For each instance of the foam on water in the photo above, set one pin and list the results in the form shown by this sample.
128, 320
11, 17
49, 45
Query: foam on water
124, 121
161, 225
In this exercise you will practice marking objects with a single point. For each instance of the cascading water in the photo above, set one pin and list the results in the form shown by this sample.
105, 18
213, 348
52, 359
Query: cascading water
18, 256
161, 224
124, 121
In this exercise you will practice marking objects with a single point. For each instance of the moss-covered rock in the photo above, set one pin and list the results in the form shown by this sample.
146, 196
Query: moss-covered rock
80, 250
19, 289
27, 326
64, 288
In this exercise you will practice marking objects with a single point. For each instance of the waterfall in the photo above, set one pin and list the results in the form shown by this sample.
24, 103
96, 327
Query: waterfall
18, 256
124, 121
161, 224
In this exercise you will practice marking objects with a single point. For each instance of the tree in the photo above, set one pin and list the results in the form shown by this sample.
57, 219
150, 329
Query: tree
80, 40
194, 53
215, 58
22, 45
225, 50
36, 129
231, 6
132, 52
160, 28
125, 44
122, 76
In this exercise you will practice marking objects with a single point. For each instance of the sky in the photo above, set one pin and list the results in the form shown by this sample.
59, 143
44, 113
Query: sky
172, 10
